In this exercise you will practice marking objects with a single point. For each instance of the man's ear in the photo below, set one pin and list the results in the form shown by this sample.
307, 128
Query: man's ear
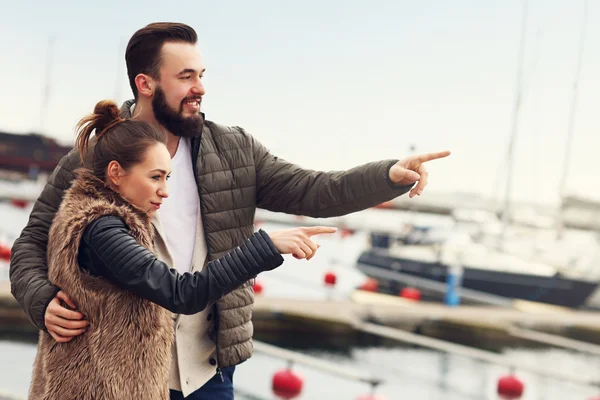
145, 85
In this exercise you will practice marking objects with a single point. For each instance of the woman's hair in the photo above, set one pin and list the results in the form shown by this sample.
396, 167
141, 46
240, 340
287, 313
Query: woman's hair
118, 139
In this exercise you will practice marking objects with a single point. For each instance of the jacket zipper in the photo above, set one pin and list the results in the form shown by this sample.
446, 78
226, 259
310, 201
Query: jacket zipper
215, 308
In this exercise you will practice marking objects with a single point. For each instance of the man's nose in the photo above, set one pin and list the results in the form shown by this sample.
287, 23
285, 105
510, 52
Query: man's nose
198, 89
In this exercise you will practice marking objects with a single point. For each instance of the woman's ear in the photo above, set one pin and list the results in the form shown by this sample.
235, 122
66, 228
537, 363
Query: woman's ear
113, 173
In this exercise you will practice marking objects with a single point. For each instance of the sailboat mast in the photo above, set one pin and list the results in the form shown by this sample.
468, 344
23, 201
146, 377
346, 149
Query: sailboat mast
571, 123
514, 126
46, 87
119, 76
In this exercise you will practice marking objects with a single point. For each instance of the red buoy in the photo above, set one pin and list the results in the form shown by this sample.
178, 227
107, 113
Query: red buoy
370, 285
258, 288
330, 279
287, 384
370, 397
510, 387
410, 293
385, 205
345, 232
4, 253
19, 203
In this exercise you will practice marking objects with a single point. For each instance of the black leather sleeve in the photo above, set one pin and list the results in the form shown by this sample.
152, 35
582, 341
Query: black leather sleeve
107, 249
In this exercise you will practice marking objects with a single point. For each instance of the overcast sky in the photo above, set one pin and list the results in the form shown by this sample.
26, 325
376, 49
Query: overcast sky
331, 84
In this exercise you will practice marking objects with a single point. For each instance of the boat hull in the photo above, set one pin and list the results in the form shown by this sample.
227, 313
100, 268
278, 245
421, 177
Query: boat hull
556, 289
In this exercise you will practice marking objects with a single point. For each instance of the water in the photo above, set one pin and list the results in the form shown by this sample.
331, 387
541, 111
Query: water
408, 372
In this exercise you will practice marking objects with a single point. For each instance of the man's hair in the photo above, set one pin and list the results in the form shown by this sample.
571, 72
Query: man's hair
143, 54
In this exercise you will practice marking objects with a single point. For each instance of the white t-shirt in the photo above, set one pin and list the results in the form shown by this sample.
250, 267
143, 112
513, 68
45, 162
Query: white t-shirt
179, 212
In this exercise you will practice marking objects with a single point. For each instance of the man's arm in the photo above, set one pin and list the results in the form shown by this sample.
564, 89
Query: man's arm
28, 264
286, 187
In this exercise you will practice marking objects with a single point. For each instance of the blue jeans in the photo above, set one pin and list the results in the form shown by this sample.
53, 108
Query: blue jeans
215, 388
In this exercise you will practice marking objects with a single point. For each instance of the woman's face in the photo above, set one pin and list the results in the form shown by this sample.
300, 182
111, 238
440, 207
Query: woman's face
144, 184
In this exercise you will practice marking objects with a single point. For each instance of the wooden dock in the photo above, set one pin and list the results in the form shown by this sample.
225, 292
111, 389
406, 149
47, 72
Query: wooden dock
337, 320
6, 396
488, 326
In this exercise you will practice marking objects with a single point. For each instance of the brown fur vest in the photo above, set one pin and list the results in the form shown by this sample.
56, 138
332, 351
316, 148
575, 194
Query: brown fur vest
126, 351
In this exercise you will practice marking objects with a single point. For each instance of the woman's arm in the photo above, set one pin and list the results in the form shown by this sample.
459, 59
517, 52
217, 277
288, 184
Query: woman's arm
107, 249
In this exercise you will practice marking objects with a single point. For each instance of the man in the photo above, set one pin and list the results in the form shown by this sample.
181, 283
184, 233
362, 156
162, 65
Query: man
220, 175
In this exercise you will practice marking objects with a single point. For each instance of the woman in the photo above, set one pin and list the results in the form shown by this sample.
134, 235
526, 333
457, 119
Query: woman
100, 252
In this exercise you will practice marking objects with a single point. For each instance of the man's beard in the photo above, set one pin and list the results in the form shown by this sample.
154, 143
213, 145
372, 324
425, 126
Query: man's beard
174, 121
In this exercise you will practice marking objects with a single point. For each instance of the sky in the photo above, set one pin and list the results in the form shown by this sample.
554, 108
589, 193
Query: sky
333, 84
